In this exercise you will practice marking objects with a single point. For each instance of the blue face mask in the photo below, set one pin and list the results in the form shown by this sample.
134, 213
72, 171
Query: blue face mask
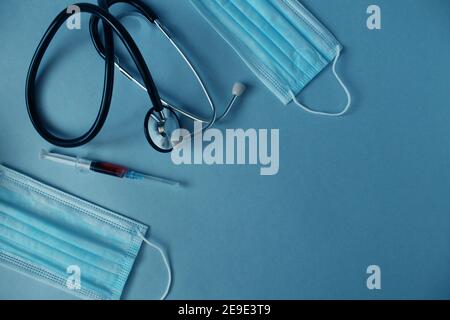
64, 241
280, 40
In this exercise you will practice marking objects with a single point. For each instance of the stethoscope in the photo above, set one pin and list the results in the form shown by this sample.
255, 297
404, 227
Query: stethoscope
162, 121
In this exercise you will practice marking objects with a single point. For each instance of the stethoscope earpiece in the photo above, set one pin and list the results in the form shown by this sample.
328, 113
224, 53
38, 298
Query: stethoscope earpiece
239, 89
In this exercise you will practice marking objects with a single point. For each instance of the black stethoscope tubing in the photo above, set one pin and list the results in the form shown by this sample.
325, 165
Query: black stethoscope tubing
110, 23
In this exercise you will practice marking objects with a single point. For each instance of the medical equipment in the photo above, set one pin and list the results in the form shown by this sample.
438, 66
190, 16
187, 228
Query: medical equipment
162, 119
103, 168
66, 242
281, 42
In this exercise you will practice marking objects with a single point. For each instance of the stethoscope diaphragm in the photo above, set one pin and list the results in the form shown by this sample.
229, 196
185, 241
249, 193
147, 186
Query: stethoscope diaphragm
162, 129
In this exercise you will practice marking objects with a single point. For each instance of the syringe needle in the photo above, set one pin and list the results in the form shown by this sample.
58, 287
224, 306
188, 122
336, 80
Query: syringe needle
141, 176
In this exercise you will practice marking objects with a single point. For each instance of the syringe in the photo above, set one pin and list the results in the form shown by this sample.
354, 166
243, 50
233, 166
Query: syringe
103, 168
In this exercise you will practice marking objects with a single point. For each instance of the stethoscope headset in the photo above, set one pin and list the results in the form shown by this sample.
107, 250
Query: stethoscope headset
162, 119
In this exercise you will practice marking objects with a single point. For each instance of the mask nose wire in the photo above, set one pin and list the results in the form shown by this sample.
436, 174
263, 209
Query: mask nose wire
344, 87
166, 263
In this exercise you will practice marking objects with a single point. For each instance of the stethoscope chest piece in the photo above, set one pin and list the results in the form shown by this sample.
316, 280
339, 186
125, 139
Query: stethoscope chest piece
162, 129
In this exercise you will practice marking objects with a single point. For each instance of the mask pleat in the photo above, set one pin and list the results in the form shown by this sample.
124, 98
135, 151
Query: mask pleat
92, 228
308, 26
96, 269
242, 29
70, 234
52, 260
34, 234
21, 265
301, 52
278, 47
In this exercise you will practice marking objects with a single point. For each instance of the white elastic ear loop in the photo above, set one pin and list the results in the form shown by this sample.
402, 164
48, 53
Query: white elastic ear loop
349, 97
166, 263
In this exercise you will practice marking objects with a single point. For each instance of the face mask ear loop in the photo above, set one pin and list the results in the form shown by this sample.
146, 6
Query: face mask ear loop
166, 263
349, 97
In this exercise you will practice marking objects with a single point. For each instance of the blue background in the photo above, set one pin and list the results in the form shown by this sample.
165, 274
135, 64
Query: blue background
368, 188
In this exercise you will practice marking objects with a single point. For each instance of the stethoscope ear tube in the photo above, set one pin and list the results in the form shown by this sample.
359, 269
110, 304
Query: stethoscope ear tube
110, 24
93, 23
144, 9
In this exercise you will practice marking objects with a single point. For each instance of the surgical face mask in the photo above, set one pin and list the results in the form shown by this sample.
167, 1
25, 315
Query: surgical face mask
280, 40
66, 242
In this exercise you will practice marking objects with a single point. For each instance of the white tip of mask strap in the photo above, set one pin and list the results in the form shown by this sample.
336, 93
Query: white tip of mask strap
349, 97
166, 263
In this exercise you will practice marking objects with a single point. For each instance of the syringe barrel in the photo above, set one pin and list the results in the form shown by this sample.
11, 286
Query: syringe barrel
109, 168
